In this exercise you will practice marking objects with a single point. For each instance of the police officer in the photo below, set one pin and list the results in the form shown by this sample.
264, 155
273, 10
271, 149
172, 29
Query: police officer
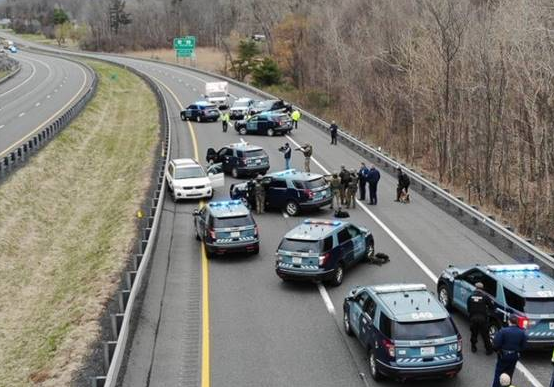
479, 307
363, 175
344, 181
307, 151
335, 190
333, 129
287, 153
403, 183
259, 192
373, 180
295, 115
352, 189
225, 119
508, 343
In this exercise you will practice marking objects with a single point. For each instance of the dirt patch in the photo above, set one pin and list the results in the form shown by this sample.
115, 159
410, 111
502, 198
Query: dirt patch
67, 226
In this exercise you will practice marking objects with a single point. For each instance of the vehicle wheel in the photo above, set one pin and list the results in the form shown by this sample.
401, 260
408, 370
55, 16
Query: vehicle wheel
369, 253
197, 235
242, 131
291, 208
183, 118
198, 119
494, 327
372, 363
444, 296
256, 249
347, 327
338, 275
211, 195
235, 173
270, 132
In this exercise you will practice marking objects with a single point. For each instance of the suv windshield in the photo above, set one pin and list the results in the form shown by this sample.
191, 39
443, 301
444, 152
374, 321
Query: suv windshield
235, 221
316, 183
254, 153
539, 305
189, 173
422, 330
300, 245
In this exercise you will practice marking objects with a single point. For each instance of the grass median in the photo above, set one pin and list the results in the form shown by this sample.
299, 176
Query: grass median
67, 227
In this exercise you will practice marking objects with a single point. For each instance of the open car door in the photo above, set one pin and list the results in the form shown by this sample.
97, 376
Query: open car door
216, 176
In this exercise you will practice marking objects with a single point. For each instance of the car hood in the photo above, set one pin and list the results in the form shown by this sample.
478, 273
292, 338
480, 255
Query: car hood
451, 271
236, 108
192, 182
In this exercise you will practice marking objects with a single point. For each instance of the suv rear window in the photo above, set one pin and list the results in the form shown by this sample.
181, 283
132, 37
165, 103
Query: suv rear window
254, 153
316, 183
234, 221
300, 245
422, 330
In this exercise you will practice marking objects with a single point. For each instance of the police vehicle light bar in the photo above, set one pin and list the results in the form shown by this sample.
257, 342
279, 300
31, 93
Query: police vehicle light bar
285, 172
323, 222
399, 288
522, 267
227, 203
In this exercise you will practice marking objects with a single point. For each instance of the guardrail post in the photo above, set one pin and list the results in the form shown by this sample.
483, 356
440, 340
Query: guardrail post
510, 243
491, 230
123, 298
137, 261
475, 221
98, 381
117, 321
146, 233
130, 278
109, 348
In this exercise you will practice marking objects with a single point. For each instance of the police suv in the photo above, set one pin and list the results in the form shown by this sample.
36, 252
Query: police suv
406, 332
289, 190
240, 159
270, 123
321, 250
201, 111
519, 288
226, 226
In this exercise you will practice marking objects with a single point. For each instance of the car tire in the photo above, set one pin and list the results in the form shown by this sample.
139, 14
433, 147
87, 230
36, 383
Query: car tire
197, 236
444, 296
198, 119
183, 118
338, 275
292, 208
256, 250
270, 132
347, 326
235, 173
372, 365
242, 131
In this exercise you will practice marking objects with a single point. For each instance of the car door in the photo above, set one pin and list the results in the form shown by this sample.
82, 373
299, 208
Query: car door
277, 192
367, 319
263, 125
190, 111
356, 309
358, 242
200, 222
345, 246
216, 176
464, 285
223, 156
252, 125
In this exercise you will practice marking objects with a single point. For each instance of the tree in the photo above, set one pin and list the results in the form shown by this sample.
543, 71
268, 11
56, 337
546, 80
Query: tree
59, 17
118, 16
267, 73
244, 64
62, 31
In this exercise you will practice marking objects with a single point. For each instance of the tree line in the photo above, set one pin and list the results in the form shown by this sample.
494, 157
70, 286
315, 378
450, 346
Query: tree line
460, 89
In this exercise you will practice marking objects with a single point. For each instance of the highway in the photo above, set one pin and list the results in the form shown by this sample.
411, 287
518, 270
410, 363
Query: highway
231, 321
44, 88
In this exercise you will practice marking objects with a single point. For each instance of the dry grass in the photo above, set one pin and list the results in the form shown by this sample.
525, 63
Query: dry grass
66, 228
41, 39
207, 58
3, 73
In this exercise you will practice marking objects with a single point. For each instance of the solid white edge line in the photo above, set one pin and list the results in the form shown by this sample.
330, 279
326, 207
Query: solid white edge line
326, 298
524, 370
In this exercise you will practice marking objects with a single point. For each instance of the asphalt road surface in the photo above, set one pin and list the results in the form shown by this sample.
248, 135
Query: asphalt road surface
234, 320
44, 88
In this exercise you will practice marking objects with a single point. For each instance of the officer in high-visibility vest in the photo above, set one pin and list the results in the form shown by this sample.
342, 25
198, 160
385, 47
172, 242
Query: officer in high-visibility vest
225, 119
295, 115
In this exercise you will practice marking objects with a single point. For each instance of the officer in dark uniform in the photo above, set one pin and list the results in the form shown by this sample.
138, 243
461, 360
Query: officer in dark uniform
508, 343
479, 307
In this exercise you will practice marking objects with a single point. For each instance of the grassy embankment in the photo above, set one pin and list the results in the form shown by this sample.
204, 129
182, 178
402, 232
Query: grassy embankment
67, 225
3, 73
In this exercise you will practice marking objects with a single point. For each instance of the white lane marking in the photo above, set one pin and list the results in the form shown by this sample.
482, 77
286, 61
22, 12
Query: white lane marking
48, 96
55, 90
187, 85
37, 104
1, 126
326, 298
285, 215
524, 370
234, 96
21, 114
180, 80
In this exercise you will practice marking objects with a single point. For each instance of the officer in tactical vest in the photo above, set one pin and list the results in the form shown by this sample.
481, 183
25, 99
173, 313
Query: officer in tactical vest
335, 190
352, 189
479, 307
259, 192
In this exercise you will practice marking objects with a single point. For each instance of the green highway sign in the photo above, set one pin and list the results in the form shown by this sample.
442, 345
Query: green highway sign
185, 43
185, 52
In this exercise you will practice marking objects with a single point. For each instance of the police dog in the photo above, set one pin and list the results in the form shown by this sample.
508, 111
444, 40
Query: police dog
404, 196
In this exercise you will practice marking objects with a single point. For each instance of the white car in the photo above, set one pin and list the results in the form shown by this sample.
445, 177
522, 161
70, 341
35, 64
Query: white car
240, 107
188, 180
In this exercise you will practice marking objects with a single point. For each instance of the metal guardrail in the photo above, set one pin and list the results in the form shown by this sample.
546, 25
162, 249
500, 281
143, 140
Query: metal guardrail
17, 156
504, 231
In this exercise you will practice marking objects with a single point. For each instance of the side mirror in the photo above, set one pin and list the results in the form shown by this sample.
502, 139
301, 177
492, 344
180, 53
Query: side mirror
195, 213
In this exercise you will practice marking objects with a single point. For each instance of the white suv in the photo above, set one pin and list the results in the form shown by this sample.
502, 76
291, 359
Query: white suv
188, 180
